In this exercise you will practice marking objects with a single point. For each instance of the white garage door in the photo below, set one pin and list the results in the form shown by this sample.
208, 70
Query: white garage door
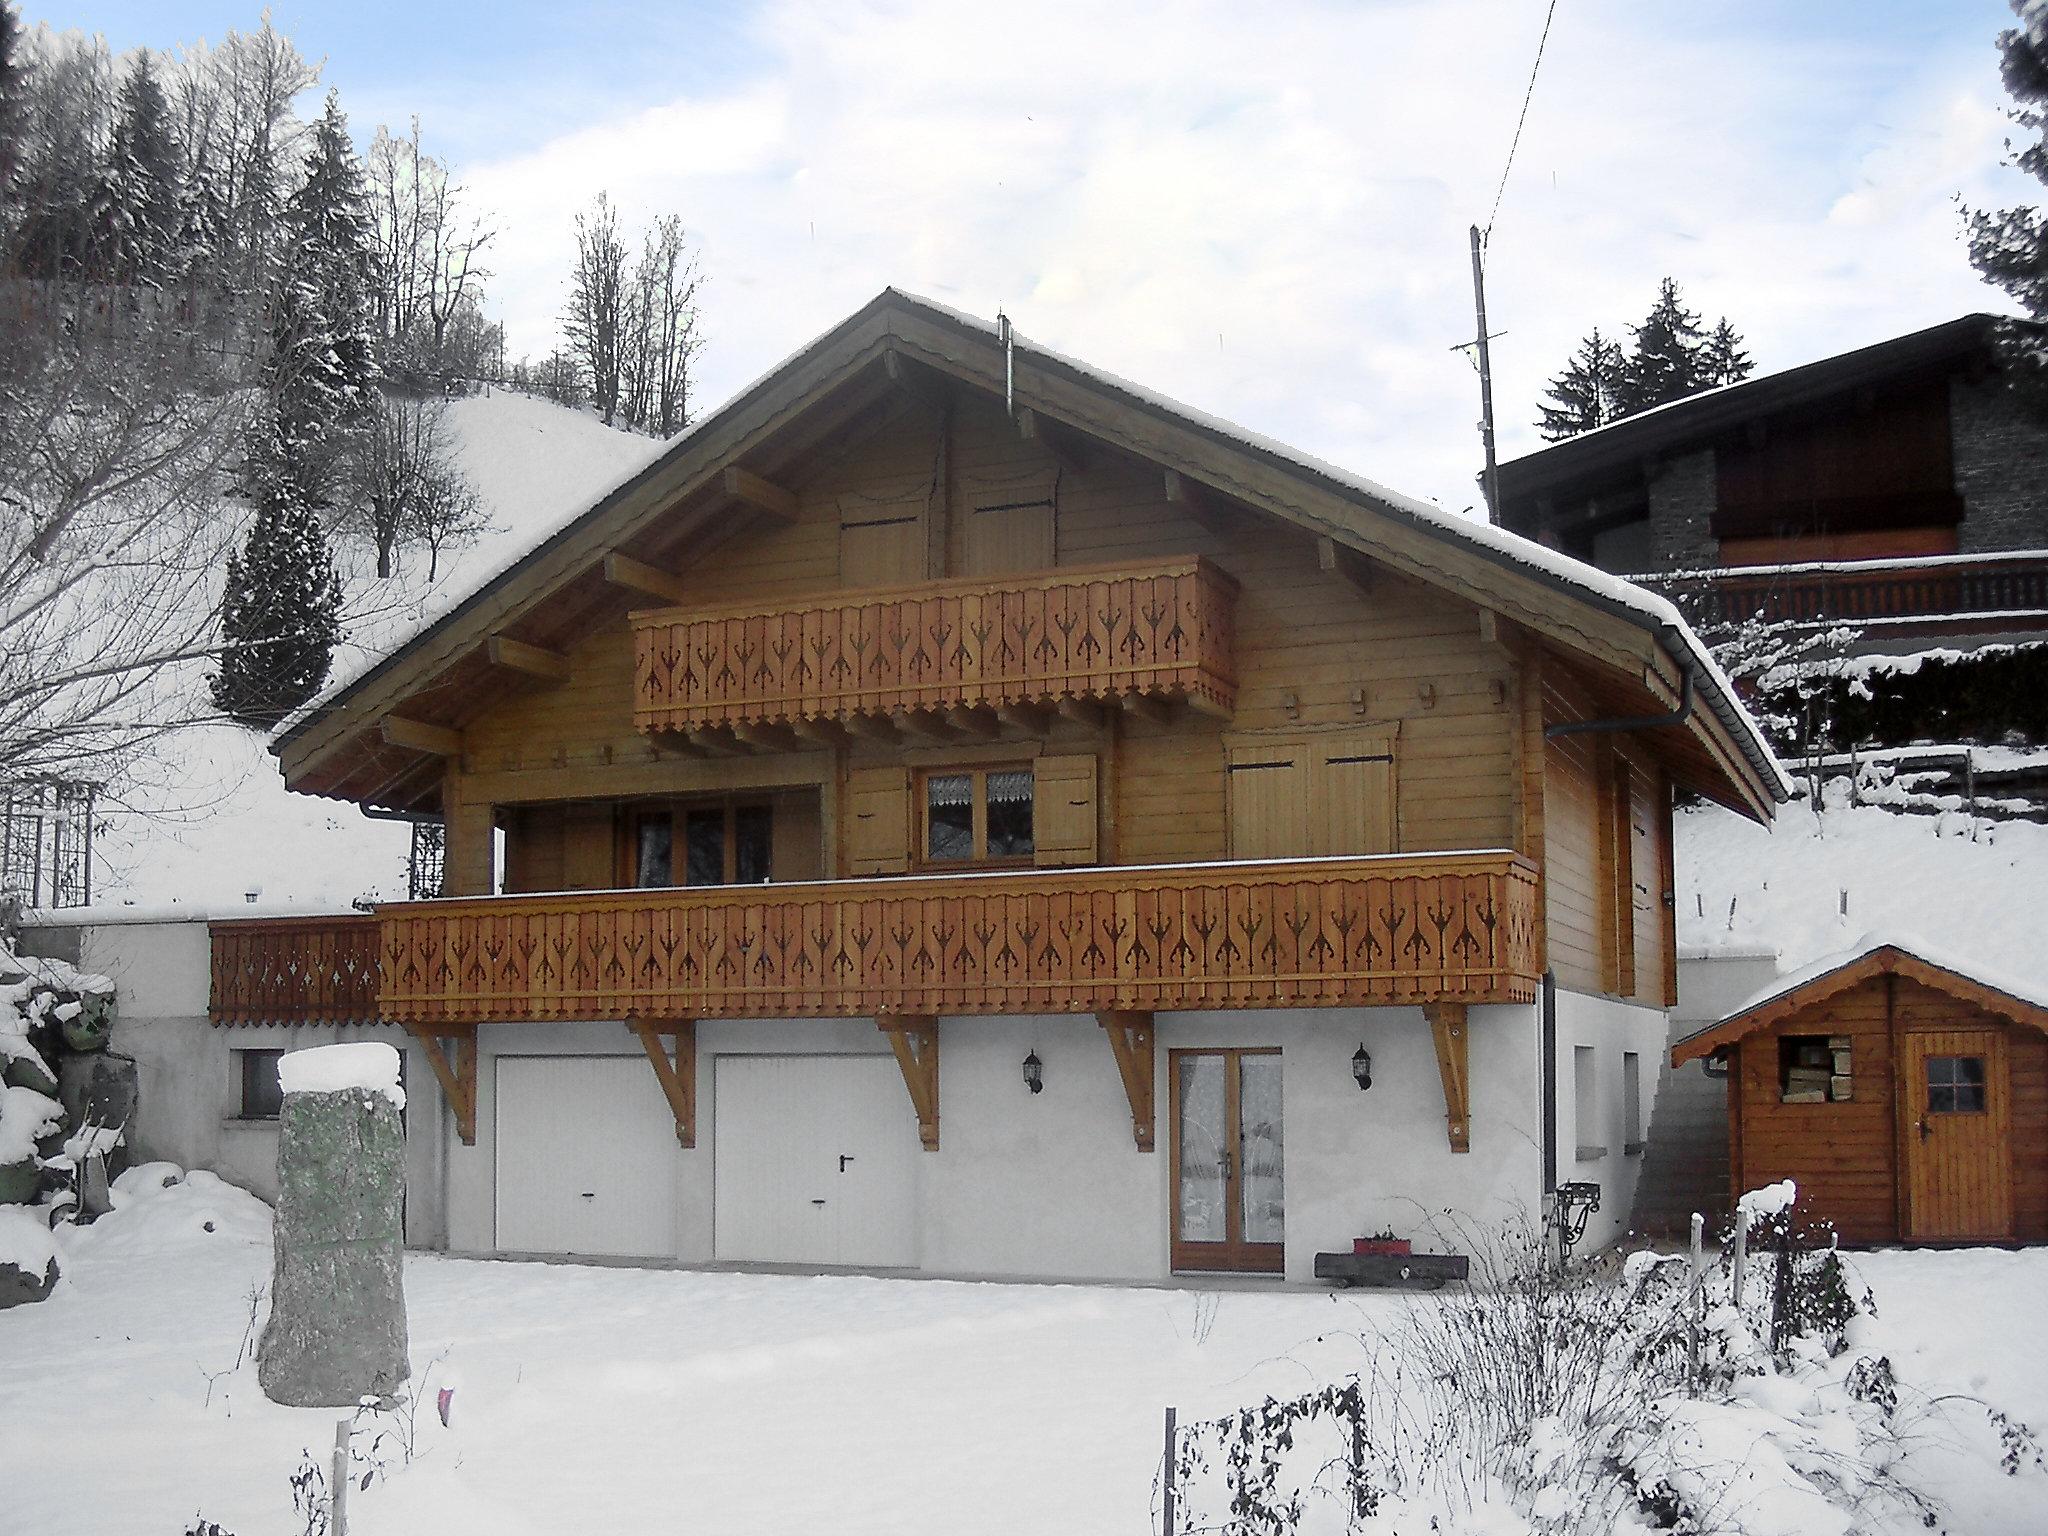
816, 1161
586, 1157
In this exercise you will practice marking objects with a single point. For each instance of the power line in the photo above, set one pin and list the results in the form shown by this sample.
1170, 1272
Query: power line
1515, 143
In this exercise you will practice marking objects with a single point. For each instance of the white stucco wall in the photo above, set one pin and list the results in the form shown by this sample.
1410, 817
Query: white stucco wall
1052, 1185
1610, 1030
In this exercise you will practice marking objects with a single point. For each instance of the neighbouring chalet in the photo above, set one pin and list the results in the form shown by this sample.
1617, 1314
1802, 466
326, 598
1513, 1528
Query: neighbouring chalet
956, 810
1897, 488
1906, 1095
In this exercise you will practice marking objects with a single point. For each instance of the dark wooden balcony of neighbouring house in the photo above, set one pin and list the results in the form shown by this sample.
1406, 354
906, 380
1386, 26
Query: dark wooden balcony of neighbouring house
966, 651
1932, 595
1369, 931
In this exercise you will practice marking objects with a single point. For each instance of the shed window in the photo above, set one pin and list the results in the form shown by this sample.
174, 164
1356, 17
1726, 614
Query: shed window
1955, 1085
1814, 1069
261, 1095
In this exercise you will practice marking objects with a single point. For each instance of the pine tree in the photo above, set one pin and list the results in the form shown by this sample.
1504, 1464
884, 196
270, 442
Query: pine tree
1666, 362
2010, 246
13, 122
137, 215
331, 262
280, 619
1723, 360
1585, 395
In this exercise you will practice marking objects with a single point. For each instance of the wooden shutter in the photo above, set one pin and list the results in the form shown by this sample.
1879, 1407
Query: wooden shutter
533, 849
589, 847
1063, 810
1269, 800
1351, 792
881, 544
1617, 839
878, 820
1006, 537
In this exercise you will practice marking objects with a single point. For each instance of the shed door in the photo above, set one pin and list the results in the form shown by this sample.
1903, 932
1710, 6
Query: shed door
587, 1157
815, 1161
1958, 1163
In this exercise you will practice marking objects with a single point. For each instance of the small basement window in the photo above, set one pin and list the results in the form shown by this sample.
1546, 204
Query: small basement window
261, 1096
1586, 1103
1631, 1103
1815, 1069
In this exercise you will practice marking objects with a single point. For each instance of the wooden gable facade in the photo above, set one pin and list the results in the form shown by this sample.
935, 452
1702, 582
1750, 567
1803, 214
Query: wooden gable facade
1907, 1100
939, 676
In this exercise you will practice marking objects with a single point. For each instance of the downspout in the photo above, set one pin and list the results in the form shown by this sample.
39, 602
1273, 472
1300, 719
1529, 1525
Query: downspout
1548, 1036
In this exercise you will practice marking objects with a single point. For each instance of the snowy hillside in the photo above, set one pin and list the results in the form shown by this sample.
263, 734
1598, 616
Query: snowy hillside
224, 824
1817, 881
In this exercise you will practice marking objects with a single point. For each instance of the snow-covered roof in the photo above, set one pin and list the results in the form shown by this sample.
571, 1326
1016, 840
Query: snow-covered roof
1612, 593
1876, 951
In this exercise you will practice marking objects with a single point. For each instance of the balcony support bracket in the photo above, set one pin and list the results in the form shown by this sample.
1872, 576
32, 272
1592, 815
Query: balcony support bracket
678, 1074
1449, 1026
915, 1040
457, 1077
1130, 1040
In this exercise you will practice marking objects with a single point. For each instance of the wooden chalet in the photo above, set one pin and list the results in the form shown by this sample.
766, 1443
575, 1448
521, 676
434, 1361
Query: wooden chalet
1907, 1098
957, 810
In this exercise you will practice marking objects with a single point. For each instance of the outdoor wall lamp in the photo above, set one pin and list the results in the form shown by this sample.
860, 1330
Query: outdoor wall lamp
1034, 1072
1361, 1068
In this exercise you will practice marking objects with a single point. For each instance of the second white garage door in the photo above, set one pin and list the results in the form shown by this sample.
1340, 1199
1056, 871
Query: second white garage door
816, 1161
587, 1157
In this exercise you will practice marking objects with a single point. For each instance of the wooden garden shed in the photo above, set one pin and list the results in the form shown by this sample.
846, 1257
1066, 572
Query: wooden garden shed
1908, 1097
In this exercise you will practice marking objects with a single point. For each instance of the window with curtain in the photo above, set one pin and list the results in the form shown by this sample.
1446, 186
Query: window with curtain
977, 815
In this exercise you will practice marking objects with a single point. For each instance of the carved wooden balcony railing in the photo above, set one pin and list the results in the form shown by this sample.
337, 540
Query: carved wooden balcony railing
1162, 629
1309, 932
295, 970
1943, 591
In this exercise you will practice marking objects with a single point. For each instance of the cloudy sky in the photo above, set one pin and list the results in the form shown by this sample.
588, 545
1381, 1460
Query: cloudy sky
1261, 209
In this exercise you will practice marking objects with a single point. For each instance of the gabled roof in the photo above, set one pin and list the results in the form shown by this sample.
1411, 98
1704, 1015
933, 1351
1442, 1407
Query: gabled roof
671, 511
1875, 954
1697, 419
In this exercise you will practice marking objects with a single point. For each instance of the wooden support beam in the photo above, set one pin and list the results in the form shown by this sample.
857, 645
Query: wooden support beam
1031, 719
421, 737
1202, 704
762, 495
1196, 501
1146, 706
980, 722
717, 742
1448, 1025
1334, 559
1130, 1040
766, 738
874, 728
923, 723
648, 580
677, 741
457, 1077
529, 661
915, 1040
917, 381
1065, 446
678, 1075
1081, 712
822, 733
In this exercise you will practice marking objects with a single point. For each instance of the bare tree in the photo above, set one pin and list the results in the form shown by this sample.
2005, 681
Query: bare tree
595, 322
408, 487
669, 281
432, 249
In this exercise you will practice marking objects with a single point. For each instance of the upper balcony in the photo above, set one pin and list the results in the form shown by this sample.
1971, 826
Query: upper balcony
1161, 629
1380, 930
1936, 594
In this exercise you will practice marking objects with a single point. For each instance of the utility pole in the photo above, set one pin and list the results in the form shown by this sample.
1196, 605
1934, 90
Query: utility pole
1490, 483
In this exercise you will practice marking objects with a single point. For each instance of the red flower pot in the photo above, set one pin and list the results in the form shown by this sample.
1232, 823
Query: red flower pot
1396, 1247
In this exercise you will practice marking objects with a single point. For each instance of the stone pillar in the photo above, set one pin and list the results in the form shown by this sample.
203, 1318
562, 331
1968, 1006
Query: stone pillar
337, 1295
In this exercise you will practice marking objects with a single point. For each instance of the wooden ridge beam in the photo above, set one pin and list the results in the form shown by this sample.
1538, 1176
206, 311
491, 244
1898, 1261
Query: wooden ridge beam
530, 661
419, 736
457, 1077
762, 495
917, 381
648, 580
1131, 1039
1450, 1028
915, 1040
678, 1076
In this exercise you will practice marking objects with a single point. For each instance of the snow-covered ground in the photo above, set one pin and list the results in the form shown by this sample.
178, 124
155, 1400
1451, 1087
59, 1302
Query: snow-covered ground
1816, 881
591, 1398
219, 821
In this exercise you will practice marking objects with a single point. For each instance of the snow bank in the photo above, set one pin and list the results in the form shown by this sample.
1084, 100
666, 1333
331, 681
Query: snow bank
160, 1209
1762, 1204
25, 1118
25, 1240
366, 1064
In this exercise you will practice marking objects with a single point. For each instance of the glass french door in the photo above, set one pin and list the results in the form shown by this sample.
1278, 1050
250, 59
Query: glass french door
1229, 1200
